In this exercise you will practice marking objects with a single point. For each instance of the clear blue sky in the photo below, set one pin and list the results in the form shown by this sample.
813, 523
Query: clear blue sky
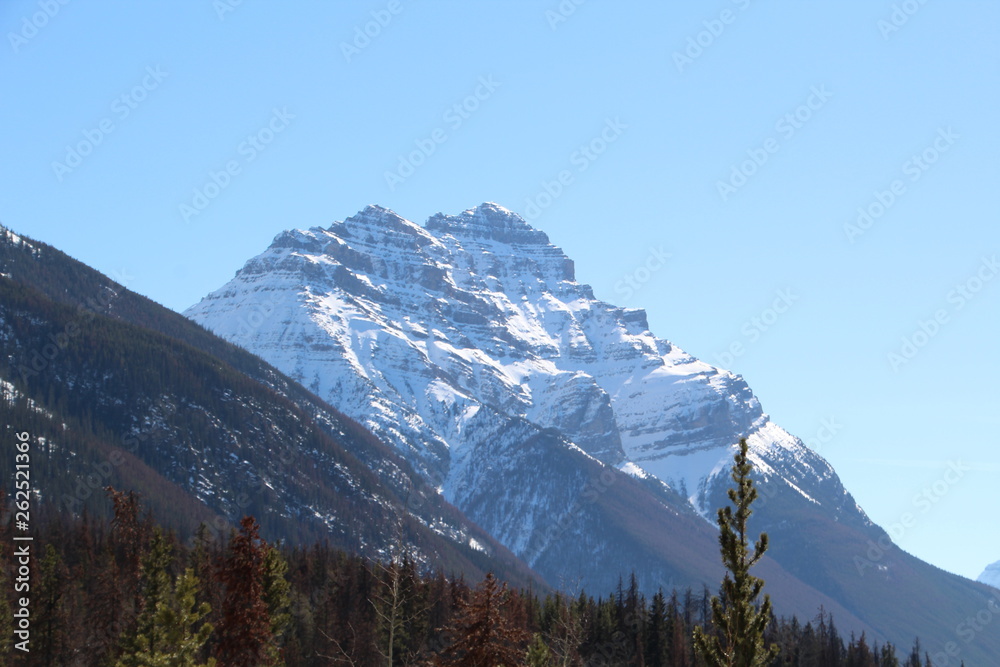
310, 115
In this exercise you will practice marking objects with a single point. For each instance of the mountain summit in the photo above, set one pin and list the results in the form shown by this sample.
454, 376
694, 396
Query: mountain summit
487, 221
479, 312
558, 422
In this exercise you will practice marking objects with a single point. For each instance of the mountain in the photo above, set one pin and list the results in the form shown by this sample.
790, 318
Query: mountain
991, 575
558, 422
117, 390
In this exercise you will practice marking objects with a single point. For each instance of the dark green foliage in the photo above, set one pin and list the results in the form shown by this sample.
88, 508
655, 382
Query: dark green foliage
738, 640
146, 636
53, 622
175, 633
539, 654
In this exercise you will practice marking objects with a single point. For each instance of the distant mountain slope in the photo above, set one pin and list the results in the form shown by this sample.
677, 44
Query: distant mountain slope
111, 402
991, 575
470, 346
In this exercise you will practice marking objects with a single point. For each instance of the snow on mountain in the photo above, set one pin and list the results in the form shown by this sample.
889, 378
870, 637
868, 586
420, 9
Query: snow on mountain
471, 332
991, 575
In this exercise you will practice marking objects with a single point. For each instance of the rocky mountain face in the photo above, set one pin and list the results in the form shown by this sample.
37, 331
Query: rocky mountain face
559, 423
117, 390
429, 335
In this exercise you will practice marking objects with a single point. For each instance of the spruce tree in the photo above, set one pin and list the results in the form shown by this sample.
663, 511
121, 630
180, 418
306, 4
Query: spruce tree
169, 638
52, 627
244, 629
738, 640
484, 634
154, 589
539, 654
277, 598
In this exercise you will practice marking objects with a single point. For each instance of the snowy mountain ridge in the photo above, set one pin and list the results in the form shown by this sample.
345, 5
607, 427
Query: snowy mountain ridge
428, 334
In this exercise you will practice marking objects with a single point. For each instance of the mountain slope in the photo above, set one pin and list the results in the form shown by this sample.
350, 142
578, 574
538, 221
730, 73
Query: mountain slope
110, 402
469, 345
145, 410
991, 575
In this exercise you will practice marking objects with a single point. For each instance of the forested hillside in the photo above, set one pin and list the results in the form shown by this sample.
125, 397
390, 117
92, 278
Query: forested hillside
127, 592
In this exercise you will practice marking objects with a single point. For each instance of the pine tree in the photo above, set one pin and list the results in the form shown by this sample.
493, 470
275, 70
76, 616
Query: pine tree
154, 589
739, 641
244, 629
53, 617
656, 650
539, 654
887, 656
169, 638
276, 597
484, 635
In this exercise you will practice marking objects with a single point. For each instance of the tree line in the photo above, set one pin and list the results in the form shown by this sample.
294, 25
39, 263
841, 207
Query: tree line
125, 592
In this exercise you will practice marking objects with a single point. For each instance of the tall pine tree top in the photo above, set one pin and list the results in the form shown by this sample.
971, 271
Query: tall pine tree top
738, 640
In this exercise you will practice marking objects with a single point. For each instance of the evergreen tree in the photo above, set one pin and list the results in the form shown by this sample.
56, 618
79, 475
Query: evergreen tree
154, 589
169, 638
53, 616
740, 625
656, 649
244, 629
276, 597
539, 654
887, 656
484, 636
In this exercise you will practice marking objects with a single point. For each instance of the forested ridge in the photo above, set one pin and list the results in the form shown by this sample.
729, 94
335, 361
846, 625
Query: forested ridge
110, 402
123, 591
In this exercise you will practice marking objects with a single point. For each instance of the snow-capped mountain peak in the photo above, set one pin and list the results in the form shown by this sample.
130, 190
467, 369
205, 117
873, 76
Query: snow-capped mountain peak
487, 221
471, 335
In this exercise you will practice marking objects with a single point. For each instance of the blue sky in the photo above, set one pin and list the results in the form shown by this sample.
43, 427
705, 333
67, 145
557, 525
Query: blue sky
165, 143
